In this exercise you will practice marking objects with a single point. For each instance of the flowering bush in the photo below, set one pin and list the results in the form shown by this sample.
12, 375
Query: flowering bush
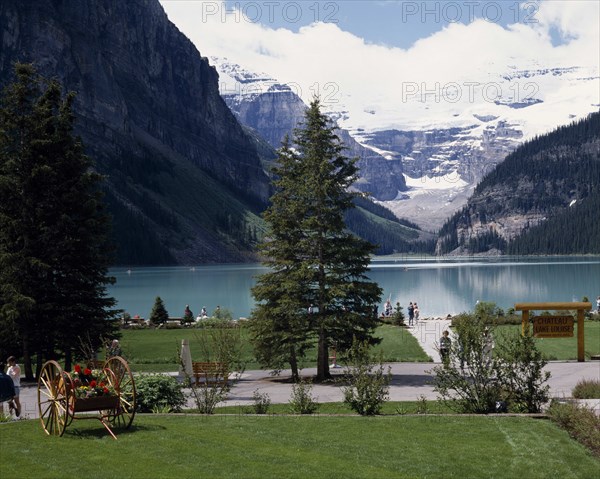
91, 383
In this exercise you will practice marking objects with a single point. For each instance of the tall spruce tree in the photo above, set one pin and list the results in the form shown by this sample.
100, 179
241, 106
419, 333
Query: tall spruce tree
54, 250
159, 314
317, 288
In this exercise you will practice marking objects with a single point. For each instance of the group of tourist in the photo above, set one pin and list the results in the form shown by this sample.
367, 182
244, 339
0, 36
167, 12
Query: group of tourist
413, 311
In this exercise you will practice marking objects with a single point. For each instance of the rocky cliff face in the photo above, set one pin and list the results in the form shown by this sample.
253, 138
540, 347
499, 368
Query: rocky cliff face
148, 108
274, 110
469, 151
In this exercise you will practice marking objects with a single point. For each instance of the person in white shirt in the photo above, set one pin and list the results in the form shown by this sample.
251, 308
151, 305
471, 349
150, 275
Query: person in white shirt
14, 371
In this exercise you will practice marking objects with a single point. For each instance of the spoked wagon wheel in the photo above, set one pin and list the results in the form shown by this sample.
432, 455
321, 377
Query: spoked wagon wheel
122, 380
53, 399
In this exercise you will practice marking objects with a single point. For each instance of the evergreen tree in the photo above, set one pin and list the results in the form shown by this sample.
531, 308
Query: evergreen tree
317, 287
54, 251
159, 313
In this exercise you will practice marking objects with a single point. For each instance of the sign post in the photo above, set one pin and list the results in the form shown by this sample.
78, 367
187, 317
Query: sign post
554, 326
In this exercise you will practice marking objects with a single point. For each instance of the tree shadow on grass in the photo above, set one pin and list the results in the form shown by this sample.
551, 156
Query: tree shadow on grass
99, 432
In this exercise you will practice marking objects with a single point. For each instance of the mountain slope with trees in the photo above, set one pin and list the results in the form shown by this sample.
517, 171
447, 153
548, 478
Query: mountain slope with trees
543, 199
184, 182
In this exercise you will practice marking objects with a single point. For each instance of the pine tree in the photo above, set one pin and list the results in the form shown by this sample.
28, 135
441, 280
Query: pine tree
54, 251
317, 287
159, 313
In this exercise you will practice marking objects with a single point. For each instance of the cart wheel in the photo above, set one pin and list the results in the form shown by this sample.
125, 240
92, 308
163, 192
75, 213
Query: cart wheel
70, 387
122, 380
53, 399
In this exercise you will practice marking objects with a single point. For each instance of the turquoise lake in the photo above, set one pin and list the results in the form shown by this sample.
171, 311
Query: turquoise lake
439, 286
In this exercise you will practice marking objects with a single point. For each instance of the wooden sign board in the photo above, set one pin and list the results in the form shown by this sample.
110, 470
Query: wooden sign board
553, 326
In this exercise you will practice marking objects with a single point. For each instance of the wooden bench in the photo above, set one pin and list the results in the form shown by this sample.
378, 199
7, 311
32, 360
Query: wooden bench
210, 373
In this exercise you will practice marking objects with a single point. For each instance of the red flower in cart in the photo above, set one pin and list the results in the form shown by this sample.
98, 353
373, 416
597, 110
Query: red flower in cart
91, 383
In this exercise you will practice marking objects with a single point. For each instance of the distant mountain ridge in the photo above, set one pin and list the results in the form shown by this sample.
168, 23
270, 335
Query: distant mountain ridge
543, 199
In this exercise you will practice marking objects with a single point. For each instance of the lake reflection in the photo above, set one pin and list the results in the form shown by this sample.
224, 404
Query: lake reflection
440, 286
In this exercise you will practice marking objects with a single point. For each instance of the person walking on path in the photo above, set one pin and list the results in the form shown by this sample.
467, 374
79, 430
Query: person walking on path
445, 344
411, 313
14, 371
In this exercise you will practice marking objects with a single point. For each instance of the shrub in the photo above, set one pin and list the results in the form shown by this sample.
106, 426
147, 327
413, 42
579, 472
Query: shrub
208, 395
581, 423
223, 345
158, 392
487, 311
520, 369
369, 386
587, 389
301, 401
468, 381
262, 402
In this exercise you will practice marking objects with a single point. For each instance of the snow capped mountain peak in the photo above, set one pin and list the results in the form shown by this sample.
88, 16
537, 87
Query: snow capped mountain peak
447, 136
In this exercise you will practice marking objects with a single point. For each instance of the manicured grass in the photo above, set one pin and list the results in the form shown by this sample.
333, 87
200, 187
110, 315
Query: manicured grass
389, 408
399, 345
566, 348
298, 447
156, 349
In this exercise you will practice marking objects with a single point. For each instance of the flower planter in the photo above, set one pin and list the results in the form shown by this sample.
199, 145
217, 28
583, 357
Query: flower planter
95, 403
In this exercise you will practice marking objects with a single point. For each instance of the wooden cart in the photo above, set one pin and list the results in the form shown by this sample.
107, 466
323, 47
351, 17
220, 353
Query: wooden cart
58, 403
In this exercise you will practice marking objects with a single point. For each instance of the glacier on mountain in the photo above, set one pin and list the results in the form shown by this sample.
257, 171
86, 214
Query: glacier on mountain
441, 137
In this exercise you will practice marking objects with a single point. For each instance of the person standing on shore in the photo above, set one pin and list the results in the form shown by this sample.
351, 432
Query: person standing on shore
14, 371
411, 313
598, 305
417, 313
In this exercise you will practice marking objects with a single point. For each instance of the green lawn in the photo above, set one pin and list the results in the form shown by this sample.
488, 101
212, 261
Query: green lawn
156, 349
566, 348
389, 408
298, 447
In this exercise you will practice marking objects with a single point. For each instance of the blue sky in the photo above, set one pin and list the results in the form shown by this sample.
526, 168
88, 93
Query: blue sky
391, 23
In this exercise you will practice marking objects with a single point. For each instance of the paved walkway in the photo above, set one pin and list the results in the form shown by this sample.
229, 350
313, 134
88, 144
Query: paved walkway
428, 333
410, 381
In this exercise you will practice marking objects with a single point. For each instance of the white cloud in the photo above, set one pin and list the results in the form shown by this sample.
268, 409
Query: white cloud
371, 78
